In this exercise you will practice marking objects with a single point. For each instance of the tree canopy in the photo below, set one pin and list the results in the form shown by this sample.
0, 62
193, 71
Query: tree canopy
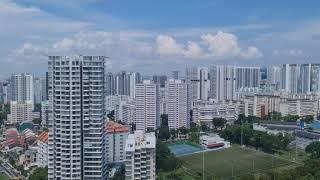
39, 174
313, 150
219, 122
165, 160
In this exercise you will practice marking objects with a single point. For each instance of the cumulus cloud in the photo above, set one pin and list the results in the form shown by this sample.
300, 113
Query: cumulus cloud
168, 46
252, 52
225, 45
221, 45
193, 50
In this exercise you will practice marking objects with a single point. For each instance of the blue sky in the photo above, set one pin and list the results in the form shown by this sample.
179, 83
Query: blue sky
159, 36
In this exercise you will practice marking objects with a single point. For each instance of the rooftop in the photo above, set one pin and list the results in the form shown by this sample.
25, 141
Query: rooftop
43, 136
112, 127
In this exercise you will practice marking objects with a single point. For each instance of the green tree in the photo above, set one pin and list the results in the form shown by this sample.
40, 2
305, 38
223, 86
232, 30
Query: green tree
39, 174
173, 133
204, 127
164, 120
308, 118
194, 137
183, 130
165, 160
219, 122
313, 150
194, 127
120, 173
111, 115
164, 133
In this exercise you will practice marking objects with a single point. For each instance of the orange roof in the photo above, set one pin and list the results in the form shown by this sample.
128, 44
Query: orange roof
43, 136
115, 127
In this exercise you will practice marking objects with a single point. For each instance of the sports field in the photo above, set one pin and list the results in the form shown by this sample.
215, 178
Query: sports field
183, 149
3, 177
231, 162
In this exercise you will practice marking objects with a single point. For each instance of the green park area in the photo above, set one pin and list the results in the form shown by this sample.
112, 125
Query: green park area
3, 177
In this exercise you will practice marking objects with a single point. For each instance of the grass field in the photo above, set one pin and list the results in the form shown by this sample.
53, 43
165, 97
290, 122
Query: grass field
3, 177
231, 162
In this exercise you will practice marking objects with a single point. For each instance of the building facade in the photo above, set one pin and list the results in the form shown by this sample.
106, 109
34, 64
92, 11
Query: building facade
76, 117
205, 111
22, 88
115, 142
20, 111
140, 161
42, 150
177, 104
300, 78
198, 78
147, 102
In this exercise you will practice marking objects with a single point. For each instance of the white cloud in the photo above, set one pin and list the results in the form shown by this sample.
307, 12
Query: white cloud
295, 52
225, 45
166, 46
29, 49
290, 52
222, 44
193, 50
251, 53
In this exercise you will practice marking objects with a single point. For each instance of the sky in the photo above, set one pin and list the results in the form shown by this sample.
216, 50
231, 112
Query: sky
152, 36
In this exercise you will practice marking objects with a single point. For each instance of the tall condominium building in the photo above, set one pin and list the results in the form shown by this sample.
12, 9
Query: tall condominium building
177, 104
44, 113
22, 88
222, 82
140, 156
125, 112
247, 77
110, 84
122, 83
175, 74
147, 105
198, 78
76, 117
115, 142
159, 79
112, 101
134, 78
274, 75
300, 78
37, 89
20, 111
7, 92
225, 80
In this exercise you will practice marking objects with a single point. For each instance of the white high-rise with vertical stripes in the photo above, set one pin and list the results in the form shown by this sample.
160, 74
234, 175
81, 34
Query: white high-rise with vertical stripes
76, 117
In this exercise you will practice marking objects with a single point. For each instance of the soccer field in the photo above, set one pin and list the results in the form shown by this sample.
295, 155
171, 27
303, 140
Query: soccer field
231, 162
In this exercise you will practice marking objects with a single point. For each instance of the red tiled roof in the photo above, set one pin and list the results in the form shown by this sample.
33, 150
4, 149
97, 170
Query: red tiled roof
43, 136
11, 132
115, 127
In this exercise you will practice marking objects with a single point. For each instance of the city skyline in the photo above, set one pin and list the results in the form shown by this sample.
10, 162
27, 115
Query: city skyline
144, 37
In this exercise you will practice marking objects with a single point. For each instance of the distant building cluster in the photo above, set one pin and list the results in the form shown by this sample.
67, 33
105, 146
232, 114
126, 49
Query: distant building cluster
81, 121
